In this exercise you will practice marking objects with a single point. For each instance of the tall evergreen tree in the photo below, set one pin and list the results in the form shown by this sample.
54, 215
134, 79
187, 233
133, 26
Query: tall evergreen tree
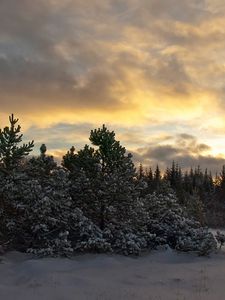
141, 173
11, 152
157, 178
104, 180
150, 175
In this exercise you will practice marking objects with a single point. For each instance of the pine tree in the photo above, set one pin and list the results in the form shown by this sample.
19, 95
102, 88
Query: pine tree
171, 225
104, 183
150, 175
40, 166
222, 179
141, 173
69, 159
167, 173
43, 219
195, 207
11, 152
157, 178
211, 183
173, 175
84, 159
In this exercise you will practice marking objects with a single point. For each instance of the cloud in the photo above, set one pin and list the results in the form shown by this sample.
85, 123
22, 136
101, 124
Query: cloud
146, 67
59, 137
184, 149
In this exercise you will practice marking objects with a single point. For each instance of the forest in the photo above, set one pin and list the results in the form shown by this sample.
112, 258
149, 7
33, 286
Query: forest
97, 201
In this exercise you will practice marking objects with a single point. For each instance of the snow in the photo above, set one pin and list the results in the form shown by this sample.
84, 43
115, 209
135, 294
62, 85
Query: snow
159, 275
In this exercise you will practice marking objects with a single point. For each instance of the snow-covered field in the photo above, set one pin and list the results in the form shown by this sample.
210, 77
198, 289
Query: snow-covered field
159, 275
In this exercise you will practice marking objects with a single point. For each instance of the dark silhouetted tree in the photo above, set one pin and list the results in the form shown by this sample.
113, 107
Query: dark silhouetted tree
11, 152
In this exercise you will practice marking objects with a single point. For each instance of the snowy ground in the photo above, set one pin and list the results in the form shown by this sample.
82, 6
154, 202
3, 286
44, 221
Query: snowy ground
159, 275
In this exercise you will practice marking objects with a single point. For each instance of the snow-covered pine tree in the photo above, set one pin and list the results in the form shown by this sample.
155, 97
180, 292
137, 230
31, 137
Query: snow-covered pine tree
172, 226
65, 227
195, 207
220, 237
12, 154
44, 221
104, 186
58, 227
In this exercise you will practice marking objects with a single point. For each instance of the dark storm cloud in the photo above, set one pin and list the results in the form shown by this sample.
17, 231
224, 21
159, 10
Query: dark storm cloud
161, 152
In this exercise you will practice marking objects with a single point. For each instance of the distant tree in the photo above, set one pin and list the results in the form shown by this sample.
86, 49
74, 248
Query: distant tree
141, 173
173, 175
208, 182
157, 178
167, 174
147, 182
150, 175
222, 179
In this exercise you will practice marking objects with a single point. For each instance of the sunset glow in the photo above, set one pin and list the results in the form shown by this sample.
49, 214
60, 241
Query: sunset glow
152, 70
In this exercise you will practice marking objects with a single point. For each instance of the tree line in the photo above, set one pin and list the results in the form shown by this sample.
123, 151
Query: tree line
202, 195
96, 201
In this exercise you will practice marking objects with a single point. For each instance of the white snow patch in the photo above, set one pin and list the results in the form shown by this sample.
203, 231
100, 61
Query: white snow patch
157, 276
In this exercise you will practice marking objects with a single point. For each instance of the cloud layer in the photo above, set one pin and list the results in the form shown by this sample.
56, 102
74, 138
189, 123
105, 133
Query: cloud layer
146, 67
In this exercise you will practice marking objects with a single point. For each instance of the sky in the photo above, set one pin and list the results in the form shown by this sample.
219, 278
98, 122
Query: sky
151, 70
